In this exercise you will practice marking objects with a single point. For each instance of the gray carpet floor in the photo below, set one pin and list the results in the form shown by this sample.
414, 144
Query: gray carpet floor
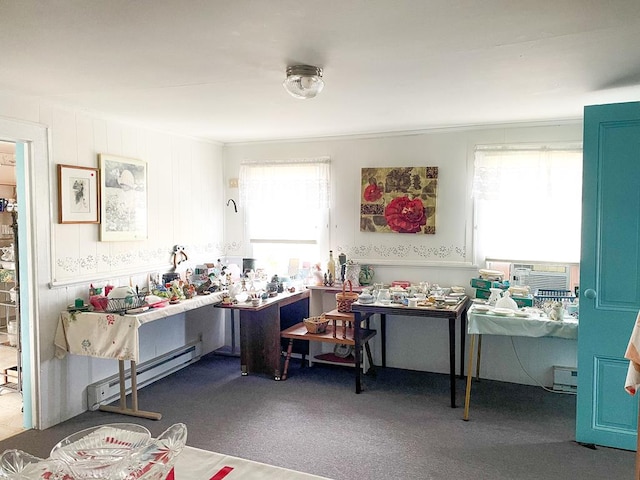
400, 427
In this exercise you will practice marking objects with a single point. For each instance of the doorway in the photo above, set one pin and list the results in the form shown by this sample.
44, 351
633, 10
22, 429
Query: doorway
11, 400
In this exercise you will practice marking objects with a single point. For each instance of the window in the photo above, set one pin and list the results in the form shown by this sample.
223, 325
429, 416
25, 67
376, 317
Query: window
528, 203
287, 211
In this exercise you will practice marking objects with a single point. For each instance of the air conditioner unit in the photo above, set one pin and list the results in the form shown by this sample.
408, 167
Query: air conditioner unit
541, 276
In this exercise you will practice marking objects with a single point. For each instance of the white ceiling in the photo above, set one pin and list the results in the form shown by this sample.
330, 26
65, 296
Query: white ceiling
214, 68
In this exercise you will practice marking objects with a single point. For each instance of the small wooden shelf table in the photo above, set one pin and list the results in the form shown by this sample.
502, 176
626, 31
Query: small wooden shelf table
342, 334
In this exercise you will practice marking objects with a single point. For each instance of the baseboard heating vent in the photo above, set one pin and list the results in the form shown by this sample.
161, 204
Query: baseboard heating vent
565, 379
108, 390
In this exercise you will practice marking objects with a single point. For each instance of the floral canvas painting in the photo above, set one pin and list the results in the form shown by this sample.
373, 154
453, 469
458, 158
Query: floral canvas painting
398, 200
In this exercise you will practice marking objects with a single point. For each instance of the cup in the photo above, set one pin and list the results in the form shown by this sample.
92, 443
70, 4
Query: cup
413, 302
255, 302
79, 303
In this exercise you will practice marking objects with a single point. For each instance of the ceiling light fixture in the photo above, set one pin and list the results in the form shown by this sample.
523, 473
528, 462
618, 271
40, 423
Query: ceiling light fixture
303, 81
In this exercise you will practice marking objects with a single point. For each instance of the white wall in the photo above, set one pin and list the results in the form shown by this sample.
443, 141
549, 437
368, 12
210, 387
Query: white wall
185, 206
445, 258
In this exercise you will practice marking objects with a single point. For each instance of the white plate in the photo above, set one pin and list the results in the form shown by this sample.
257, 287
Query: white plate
481, 308
451, 301
522, 314
479, 301
504, 312
457, 294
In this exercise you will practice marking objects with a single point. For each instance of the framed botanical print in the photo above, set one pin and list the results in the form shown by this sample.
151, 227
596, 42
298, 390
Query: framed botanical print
123, 187
78, 194
398, 200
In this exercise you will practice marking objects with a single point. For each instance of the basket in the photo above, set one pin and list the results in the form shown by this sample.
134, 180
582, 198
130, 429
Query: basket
316, 324
543, 295
345, 299
121, 305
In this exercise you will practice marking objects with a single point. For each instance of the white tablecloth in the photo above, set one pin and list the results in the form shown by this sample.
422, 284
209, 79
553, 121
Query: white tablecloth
487, 323
196, 464
111, 335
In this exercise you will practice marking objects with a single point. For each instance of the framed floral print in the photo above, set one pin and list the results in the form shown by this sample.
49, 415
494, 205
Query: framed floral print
78, 194
123, 185
398, 200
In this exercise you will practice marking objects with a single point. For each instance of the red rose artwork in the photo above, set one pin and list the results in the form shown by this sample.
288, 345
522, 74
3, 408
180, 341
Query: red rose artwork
399, 199
404, 215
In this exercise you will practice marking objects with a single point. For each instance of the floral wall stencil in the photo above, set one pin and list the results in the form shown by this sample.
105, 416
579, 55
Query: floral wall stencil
398, 200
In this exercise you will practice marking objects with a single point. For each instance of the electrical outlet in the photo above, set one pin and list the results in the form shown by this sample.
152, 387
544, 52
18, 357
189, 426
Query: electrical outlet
233, 183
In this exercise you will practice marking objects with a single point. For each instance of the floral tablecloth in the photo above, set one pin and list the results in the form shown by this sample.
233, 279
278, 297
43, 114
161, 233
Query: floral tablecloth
111, 335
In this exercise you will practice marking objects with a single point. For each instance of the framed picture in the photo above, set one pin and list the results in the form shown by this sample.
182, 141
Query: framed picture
123, 188
398, 200
78, 194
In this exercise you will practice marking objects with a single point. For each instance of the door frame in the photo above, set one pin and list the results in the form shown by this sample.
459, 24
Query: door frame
31, 156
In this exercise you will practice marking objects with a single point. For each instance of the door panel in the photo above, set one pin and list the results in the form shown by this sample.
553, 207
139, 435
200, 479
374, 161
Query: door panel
610, 266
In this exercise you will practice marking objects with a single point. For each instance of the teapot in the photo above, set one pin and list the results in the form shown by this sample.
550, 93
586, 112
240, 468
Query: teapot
366, 297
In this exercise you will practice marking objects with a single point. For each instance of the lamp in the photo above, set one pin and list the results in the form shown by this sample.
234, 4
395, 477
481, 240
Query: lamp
303, 81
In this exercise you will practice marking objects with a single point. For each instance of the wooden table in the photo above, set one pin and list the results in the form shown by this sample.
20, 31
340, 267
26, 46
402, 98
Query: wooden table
336, 334
452, 313
260, 348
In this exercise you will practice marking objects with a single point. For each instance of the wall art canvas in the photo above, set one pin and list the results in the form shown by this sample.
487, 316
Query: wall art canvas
124, 198
398, 200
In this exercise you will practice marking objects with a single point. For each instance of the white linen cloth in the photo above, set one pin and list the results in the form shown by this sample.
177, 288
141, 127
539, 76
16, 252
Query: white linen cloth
196, 464
486, 323
632, 353
111, 335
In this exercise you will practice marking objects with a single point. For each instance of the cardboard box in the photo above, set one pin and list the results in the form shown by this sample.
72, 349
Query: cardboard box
486, 284
483, 294
524, 301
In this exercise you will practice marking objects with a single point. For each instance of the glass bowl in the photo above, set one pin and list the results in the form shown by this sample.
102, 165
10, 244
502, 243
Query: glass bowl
19, 465
101, 452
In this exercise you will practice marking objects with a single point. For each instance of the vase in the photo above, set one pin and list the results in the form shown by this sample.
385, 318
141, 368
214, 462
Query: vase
352, 274
366, 275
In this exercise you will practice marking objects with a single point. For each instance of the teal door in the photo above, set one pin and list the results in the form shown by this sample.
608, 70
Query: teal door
609, 274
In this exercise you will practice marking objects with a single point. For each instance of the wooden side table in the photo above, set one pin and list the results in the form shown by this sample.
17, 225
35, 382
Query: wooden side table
336, 334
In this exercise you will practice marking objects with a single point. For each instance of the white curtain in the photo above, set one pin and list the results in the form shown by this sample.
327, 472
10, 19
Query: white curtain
528, 202
286, 206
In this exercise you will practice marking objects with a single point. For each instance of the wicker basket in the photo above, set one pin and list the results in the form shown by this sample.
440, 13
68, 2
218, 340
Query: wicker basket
345, 299
316, 324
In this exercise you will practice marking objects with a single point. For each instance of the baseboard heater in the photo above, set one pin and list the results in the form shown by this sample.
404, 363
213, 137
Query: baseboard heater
108, 390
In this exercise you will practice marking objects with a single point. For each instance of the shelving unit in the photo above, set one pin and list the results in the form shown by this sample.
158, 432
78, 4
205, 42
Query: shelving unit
10, 374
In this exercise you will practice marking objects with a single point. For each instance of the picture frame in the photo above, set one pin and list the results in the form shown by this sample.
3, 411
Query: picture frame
78, 194
124, 203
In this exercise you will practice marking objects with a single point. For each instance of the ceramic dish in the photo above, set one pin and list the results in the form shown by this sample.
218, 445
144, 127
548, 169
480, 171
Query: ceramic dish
451, 301
479, 301
522, 314
457, 294
481, 308
504, 312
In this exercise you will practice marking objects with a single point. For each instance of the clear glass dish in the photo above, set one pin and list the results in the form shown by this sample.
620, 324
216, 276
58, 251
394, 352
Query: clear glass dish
101, 452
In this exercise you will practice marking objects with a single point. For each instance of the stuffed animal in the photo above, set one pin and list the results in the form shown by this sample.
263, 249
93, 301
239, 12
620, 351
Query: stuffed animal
556, 312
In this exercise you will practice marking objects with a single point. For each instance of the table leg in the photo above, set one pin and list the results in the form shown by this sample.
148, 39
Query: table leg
478, 359
467, 393
463, 336
287, 358
452, 360
383, 338
122, 408
357, 350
